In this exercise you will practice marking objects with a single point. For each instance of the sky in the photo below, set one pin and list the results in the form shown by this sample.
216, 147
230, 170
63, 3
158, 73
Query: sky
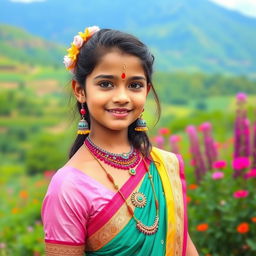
247, 7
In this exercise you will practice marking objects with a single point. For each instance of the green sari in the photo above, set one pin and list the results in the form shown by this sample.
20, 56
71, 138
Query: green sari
114, 231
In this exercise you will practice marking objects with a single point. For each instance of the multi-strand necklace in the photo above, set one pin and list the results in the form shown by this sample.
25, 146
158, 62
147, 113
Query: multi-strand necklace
138, 199
124, 161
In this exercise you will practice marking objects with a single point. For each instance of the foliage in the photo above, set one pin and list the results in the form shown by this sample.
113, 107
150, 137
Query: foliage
183, 87
32, 127
21, 228
212, 203
16, 44
42, 155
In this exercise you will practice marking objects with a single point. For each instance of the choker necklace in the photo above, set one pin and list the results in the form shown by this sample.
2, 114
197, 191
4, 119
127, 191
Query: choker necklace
124, 161
147, 230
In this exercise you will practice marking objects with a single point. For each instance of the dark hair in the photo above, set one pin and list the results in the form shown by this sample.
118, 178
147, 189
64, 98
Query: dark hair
90, 54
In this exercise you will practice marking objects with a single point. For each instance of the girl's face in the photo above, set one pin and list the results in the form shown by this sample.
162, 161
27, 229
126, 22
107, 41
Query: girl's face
114, 102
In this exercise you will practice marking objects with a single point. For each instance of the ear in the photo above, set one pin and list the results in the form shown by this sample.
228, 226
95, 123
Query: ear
148, 87
79, 92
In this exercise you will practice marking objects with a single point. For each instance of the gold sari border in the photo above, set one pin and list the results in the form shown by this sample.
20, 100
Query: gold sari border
107, 232
169, 169
63, 250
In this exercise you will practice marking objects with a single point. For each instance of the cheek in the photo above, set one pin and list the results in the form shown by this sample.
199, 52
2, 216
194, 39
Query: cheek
141, 100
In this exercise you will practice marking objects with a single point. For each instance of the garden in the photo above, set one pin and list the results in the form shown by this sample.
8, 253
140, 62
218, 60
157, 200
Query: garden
215, 136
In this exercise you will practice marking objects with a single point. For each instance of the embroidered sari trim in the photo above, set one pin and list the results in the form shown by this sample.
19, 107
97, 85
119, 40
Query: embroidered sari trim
184, 189
116, 202
168, 167
108, 231
63, 249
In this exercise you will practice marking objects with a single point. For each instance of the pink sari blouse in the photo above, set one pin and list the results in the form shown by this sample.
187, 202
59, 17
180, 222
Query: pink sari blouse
72, 200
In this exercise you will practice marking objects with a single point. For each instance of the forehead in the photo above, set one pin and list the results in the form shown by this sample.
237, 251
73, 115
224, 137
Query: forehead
113, 62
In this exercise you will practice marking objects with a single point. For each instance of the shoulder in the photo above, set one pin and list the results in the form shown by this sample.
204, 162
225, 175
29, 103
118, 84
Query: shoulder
69, 185
167, 158
164, 154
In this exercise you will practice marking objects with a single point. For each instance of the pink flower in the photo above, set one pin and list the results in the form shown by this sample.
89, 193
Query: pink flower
78, 41
220, 164
68, 62
191, 129
217, 175
241, 97
240, 163
159, 139
250, 174
205, 127
192, 162
240, 193
175, 138
163, 131
93, 29
2, 245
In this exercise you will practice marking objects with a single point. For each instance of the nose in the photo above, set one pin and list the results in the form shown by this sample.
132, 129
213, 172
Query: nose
121, 96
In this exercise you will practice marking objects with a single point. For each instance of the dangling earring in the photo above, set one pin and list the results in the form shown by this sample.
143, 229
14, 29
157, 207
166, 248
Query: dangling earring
141, 125
83, 127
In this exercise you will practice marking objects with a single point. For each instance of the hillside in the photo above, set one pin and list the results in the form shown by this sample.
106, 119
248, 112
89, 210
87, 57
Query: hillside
188, 35
18, 46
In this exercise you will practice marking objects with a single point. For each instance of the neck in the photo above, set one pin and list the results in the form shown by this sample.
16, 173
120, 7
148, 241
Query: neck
112, 141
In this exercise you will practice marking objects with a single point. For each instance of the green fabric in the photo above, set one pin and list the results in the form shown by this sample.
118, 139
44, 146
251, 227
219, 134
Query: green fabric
130, 241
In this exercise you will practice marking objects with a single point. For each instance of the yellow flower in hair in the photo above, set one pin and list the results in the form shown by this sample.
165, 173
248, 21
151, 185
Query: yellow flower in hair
72, 52
85, 34
71, 58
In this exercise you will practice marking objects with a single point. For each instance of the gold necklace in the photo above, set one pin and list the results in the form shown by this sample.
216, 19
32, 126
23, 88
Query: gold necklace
148, 230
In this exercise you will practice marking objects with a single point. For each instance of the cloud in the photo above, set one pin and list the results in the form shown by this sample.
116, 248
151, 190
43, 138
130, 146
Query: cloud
27, 1
247, 7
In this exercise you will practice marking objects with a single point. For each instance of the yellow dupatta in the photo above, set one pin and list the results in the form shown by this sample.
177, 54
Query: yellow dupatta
169, 168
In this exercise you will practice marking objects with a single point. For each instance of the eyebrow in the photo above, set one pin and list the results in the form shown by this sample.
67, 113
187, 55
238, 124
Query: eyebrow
115, 77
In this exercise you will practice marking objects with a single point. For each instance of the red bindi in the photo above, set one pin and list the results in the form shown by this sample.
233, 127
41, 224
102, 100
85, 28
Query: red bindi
123, 76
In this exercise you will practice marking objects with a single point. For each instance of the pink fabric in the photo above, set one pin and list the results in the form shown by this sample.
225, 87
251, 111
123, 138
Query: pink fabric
72, 199
183, 181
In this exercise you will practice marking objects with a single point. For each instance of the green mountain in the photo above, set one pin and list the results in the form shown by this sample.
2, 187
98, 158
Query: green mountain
18, 46
188, 35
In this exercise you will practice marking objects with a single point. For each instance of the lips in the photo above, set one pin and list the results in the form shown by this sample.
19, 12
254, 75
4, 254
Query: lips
119, 112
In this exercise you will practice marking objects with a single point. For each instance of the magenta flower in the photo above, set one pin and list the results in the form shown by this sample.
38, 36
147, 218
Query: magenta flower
217, 175
175, 138
159, 141
250, 174
192, 162
205, 126
241, 193
221, 164
240, 163
241, 97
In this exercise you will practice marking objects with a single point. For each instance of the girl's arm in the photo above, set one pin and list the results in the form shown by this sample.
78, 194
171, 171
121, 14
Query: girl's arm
191, 249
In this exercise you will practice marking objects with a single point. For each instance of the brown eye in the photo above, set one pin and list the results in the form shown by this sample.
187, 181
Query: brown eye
136, 85
105, 84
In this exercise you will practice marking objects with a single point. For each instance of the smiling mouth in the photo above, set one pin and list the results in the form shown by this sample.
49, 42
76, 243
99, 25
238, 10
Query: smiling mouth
119, 111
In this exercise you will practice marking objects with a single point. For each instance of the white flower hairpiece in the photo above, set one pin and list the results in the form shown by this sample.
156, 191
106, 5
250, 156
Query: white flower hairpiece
71, 58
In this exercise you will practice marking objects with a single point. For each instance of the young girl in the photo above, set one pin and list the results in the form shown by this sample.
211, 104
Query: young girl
117, 195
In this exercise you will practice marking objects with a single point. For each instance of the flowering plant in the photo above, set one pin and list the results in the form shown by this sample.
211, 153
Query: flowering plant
82, 37
221, 213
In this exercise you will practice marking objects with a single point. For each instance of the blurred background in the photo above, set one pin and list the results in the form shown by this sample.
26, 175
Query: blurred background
205, 77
